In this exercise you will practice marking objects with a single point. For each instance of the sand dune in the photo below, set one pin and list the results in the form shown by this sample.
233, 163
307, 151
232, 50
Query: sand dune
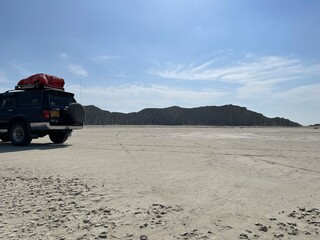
164, 183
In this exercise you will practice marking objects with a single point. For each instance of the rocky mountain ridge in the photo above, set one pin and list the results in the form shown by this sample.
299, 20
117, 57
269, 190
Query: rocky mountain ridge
227, 115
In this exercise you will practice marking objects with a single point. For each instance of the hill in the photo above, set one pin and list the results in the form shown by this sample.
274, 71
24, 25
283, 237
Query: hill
228, 115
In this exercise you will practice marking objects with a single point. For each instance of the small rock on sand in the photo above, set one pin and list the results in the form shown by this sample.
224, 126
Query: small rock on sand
143, 237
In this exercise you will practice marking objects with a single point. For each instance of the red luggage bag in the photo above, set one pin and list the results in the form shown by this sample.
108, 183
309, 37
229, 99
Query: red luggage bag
43, 79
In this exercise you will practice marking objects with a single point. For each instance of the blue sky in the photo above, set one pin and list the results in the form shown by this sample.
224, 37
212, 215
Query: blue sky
129, 55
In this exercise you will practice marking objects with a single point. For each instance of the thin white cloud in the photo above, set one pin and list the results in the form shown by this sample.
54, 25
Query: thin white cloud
133, 97
265, 69
258, 79
110, 62
105, 58
78, 70
22, 69
121, 75
306, 93
63, 55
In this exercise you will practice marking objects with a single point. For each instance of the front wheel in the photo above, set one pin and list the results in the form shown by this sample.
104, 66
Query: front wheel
19, 135
58, 137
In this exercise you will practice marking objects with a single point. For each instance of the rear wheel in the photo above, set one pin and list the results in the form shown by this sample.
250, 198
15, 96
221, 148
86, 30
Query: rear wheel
19, 135
58, 137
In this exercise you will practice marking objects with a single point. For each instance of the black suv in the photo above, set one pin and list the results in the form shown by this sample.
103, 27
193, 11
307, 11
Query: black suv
36, 111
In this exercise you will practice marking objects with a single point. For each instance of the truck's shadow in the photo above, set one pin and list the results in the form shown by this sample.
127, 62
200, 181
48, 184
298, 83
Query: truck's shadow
8, 147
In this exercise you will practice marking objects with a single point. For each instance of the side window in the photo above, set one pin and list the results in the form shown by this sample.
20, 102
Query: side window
30, 98
8, 103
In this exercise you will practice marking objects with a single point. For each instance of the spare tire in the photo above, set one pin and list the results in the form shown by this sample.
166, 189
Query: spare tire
76, 113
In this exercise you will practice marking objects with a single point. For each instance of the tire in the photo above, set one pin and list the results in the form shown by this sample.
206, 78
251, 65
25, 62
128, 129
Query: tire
4, 138
76, 113
58, 137
19, 135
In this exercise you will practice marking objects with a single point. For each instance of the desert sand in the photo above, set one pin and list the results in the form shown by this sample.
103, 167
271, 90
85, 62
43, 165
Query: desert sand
140, 182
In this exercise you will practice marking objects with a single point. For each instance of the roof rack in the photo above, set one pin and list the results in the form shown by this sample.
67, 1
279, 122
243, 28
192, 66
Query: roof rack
36, 86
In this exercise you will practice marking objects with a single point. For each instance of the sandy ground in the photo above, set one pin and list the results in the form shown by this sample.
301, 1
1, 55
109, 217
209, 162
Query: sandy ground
164, 183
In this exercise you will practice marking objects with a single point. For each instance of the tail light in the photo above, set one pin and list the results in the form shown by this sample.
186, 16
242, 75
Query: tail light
46, 113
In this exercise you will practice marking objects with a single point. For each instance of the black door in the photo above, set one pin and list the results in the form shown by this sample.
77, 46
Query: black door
7, 109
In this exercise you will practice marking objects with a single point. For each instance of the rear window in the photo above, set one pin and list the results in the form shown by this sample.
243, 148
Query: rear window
60, 99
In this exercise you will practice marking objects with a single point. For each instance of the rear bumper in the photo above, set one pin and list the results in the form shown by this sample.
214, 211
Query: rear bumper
43, 126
